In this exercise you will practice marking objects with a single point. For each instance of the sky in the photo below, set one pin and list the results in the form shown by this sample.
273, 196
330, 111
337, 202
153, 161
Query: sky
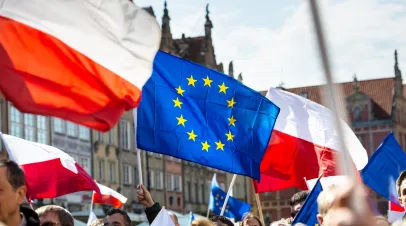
272, 42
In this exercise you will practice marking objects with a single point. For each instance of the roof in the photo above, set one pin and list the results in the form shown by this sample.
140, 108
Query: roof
150, 10
379, 90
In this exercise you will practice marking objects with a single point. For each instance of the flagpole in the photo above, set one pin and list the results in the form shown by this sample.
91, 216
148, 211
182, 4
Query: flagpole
91, 204
258, 201
230, 188
136, 148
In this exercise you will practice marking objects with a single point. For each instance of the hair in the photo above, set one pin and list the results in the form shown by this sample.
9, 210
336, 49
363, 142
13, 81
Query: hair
298, 198
202, 222
281, 222
15, 175
123, 213
382, 218
221, 221
64, 217
251, 216
174, 217
399, 181
325, 200
98, 222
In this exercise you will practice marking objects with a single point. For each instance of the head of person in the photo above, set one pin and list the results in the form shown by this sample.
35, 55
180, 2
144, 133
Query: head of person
381, 221
251, 220
401, 188
297, 201
13, 190
54, 215
202, 222
117, 217
98, 222
279, 223
174, 218
324, 203
221, 221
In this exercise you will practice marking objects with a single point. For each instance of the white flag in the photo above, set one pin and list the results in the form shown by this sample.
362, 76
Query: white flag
163, 219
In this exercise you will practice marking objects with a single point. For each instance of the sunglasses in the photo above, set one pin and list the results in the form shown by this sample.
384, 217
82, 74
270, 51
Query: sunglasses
49, 224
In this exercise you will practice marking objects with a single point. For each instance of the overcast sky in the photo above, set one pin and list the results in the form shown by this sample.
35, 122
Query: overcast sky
272, 41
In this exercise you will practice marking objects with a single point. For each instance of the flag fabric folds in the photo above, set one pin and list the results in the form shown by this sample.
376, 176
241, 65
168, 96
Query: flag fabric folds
200, 115
76, 60
163, 219
304, 144
108, 196
234, 208
49, 172
308, 213
191, 218
384, 167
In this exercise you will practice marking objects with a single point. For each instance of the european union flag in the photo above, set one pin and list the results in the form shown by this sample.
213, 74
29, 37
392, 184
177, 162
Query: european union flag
191, 218
234, 208
197, 114
384, 167
308, 213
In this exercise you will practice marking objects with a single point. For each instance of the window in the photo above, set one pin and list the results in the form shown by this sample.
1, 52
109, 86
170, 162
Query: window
169, 182
303, 94
178, 183
15, 122
357, 113
75, 157
29, 132
84, 133
125, 134
127, 174
197, 193
100, 136
111, 136
178, 201
59, 125
112, 172
151, 177
136, 179
158, 180
100, 164
42, 129
203, 190
84, 162
171, 200
72, 129
189, 191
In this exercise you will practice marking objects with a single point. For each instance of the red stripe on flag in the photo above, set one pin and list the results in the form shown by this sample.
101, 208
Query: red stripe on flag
107, 199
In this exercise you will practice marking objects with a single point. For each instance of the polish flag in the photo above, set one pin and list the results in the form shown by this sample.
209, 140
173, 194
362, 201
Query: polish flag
83, 60
49, 172
304, 144
108, 196
395, 212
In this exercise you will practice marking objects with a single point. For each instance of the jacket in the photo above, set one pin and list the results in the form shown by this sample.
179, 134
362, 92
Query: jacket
152, 212
30, 216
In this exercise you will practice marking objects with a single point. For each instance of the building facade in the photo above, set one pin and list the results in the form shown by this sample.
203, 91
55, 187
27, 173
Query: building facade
375, 108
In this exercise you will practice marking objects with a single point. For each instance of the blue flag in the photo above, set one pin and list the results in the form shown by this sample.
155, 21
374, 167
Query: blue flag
384, 167
192, 218
197, 114
234, 208
308, 213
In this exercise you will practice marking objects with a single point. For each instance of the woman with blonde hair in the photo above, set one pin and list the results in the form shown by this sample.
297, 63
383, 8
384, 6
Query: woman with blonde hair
251, 220
202, 222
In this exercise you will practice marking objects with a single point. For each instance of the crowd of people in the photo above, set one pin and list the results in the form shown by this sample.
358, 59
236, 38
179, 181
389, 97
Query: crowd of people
337, 205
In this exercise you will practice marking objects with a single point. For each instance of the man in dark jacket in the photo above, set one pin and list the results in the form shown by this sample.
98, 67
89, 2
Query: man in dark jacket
12, 185
151, 208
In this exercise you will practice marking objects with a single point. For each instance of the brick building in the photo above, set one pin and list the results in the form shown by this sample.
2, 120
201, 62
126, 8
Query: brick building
375, 108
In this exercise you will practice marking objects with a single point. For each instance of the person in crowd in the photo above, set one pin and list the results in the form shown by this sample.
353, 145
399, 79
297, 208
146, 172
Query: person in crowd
54, 215
202, 222
279, 223
152, 208
401, 189
98, 222
251, 220
221, 221
117, 217
296, 202
381, 221
12, 195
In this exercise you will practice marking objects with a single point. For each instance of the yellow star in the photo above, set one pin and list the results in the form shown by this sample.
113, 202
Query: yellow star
180, 90
230, 136
219, 145
205, 146
192, 135
207, 81
231, 103
191, 81
217, 203
177, 103
232, 120
181, 120
223, 88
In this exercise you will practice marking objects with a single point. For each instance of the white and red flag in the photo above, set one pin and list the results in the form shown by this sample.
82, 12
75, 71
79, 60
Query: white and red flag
304, 144
83, 60
108, 196
49, 172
